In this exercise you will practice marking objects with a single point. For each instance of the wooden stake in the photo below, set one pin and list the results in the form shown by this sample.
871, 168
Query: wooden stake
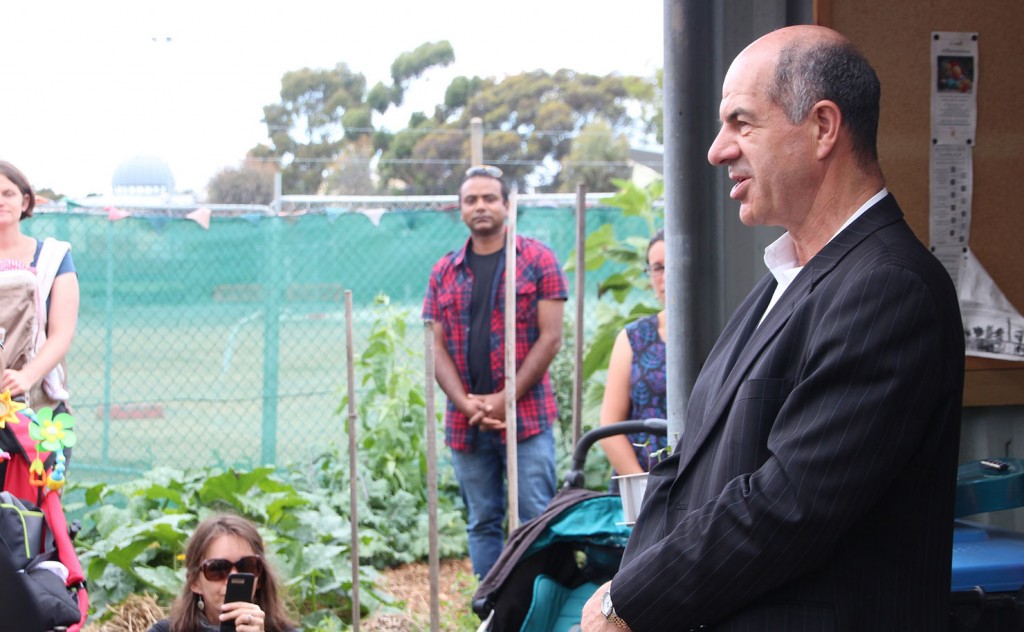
353, 419
511, 426
431, 432
581, 260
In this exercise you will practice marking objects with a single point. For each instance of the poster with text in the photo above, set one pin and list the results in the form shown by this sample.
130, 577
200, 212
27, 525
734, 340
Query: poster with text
954, 87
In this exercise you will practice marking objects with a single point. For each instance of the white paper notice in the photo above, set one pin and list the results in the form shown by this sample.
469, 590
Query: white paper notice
954, 87
952, 183
992, 327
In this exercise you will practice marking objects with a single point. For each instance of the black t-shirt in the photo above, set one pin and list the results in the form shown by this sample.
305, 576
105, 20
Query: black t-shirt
481, 307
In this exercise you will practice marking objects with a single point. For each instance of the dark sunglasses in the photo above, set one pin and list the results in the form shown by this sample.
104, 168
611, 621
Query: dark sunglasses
216, 570
484, 170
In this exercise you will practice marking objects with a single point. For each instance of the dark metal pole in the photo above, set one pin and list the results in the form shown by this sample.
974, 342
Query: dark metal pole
691, 238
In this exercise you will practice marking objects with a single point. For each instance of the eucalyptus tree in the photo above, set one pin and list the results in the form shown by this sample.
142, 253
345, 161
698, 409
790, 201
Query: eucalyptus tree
531, 122
324, 114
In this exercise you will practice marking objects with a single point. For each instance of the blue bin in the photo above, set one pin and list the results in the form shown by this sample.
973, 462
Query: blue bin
987, 557
988, 574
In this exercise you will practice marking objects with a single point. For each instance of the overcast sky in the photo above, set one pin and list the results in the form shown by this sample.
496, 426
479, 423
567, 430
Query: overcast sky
88, 85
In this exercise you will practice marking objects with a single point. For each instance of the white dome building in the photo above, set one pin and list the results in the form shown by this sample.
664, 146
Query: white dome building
142, 182
143, 176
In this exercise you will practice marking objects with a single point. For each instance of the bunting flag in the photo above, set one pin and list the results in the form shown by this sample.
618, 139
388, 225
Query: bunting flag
333, 212
201, 216
293, 216
374, 214
114, 213
158, 222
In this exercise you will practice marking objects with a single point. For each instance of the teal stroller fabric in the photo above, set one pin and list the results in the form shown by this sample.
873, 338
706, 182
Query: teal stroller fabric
555, 608
552, 564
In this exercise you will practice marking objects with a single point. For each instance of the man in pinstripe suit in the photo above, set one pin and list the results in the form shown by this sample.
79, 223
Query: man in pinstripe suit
813, 488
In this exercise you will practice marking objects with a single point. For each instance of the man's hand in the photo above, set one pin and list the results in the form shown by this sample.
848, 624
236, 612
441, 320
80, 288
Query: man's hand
489, 411
472, 407
593, 618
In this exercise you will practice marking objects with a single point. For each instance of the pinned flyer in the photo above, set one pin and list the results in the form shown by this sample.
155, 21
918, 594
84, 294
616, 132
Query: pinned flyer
954, 88
993, 328
201, 216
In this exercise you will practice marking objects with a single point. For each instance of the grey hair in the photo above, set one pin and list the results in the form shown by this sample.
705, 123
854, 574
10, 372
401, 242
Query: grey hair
835, 71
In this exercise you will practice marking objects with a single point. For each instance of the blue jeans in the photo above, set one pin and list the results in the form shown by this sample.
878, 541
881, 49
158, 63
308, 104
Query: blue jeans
481, 476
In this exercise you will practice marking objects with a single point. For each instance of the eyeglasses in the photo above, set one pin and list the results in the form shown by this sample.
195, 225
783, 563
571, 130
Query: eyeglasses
484, 170
655, 270
217, 569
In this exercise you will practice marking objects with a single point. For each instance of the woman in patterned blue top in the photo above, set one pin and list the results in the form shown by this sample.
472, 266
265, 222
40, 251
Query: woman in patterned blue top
635, 385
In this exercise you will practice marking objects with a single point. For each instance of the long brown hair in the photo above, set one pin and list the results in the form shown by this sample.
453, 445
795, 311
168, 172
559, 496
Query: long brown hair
184, 614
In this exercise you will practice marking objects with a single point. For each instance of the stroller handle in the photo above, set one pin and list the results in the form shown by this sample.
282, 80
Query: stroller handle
575, 476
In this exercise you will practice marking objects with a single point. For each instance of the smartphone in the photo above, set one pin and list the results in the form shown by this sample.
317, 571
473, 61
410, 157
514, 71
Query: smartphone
240, 588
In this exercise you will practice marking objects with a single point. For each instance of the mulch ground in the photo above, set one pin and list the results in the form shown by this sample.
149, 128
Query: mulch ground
411, 583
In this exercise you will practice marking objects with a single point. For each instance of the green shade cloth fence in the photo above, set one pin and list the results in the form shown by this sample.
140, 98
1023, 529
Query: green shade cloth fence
226, 346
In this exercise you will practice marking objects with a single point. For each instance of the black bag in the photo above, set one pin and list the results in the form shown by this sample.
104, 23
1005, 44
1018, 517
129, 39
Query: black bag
23, 537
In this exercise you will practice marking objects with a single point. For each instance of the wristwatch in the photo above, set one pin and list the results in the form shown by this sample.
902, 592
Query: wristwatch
608, 610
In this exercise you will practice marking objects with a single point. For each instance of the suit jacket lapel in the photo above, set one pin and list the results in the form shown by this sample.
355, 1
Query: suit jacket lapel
730, 361
750, 341
712, 384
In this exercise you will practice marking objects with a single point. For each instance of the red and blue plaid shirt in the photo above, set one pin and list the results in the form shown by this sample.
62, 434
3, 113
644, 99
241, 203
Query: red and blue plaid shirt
538, 277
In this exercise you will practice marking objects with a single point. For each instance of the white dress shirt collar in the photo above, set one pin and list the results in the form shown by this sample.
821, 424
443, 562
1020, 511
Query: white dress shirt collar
781, 259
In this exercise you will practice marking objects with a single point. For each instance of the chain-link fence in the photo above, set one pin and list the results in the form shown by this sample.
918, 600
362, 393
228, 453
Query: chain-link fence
226, 346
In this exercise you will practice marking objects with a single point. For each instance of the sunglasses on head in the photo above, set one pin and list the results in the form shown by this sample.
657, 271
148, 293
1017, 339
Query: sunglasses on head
217, 569
484, 170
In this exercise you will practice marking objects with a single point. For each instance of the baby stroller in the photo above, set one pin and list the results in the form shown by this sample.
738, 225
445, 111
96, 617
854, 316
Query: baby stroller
41, 578
553, 564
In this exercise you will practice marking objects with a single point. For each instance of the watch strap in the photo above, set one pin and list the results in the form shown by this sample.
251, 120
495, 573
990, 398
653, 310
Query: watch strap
612, 617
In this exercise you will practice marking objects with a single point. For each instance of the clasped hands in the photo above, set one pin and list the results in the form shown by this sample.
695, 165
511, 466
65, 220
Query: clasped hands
485, 411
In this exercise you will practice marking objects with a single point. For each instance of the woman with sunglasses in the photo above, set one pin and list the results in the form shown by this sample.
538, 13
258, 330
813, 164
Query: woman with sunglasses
635, 384
224, 544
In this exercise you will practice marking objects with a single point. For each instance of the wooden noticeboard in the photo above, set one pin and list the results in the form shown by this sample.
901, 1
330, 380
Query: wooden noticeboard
896, 38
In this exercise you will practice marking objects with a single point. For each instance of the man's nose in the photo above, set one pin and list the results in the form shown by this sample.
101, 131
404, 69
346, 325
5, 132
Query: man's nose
723, 150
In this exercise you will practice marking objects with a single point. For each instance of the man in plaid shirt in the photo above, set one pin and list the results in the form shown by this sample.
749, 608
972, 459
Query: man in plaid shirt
466, 299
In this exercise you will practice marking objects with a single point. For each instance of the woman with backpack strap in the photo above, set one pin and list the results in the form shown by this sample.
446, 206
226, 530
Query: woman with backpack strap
35, 371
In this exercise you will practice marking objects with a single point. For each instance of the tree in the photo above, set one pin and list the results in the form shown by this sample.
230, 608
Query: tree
323, 113
350, 174
598, 156
531, 120
48, 194
251, 183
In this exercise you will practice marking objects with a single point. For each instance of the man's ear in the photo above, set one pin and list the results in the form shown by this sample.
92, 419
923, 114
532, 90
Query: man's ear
827, 120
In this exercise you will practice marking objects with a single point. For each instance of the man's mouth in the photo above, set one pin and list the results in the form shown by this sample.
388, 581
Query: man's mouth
739, 188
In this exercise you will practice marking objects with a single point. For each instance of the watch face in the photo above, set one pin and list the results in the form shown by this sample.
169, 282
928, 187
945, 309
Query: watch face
606, 604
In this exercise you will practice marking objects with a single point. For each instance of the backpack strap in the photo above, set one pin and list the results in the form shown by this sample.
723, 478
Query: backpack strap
51, 255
